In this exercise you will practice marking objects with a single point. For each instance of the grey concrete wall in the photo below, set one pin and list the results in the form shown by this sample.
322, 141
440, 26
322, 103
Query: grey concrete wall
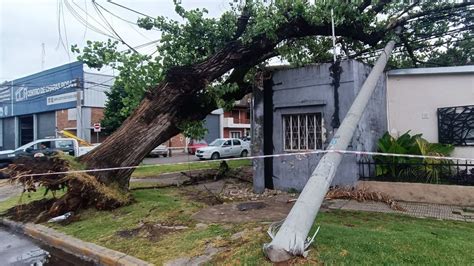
257, 140
46, 125
212, 125
310, 90
9, 133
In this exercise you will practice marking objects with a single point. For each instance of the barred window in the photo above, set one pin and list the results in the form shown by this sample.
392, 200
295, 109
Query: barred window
302, 132
456, 125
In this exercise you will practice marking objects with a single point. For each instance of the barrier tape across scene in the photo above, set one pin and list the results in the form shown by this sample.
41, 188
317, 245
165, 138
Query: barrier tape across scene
256, 157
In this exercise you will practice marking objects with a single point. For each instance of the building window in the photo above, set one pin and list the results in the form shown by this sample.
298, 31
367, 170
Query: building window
72, 114
456, 125
235, 134
302, 132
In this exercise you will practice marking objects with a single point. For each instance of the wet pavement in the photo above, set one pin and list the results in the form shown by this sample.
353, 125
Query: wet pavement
17, 250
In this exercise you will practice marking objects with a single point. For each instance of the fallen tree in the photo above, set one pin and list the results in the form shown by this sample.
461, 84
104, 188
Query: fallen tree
180, 96
204, 62
82, 190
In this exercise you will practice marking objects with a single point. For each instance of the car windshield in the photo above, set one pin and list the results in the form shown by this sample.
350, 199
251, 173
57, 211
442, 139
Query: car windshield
217, 142
22, 148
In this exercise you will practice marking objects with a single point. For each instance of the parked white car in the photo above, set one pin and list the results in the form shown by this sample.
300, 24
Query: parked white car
160, 150
222, 148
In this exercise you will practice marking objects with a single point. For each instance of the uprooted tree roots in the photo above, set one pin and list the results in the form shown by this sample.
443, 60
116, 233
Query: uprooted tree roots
82, 190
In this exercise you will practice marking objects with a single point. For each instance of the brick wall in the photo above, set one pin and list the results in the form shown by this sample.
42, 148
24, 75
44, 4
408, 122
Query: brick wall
62, 121
96, 115
176, 141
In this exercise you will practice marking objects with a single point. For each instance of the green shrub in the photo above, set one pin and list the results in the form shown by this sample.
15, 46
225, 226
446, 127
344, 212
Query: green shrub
404, 167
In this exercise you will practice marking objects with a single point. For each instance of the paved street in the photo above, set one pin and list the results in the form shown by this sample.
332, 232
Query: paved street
178, 157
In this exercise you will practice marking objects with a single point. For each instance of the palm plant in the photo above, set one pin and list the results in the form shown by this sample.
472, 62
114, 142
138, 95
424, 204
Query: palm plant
433, 168
394, 166
402, 167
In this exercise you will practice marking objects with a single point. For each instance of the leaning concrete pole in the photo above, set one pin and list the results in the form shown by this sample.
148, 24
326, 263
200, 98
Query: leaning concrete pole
290, 239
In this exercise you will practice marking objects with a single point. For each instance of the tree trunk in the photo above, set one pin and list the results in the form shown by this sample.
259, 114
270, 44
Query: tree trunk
153, 122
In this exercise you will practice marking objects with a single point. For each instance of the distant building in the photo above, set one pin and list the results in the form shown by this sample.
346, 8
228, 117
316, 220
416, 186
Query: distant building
222, 124
436, 102
39, 105
236, 122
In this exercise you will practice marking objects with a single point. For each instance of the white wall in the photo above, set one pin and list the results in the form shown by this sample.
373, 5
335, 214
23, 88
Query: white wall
95, 86
413, 100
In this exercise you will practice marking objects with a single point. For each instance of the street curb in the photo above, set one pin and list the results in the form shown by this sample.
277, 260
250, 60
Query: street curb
74, 246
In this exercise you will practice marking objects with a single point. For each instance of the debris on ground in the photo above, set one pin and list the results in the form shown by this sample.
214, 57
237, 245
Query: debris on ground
61, 218
207, 256
201, 226
362, 195
151, 231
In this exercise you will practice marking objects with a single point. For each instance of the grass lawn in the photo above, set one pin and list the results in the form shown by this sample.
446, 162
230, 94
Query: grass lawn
345, 237
155, 170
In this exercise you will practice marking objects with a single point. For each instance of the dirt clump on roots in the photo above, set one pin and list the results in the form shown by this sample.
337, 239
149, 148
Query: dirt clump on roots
82, 190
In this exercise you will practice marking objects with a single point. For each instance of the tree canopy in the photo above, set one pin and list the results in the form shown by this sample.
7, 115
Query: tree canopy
435, 33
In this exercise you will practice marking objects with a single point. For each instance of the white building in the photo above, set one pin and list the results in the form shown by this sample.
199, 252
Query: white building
436, 102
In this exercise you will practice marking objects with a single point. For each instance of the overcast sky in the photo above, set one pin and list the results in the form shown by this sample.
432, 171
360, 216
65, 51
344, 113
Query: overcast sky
27, 24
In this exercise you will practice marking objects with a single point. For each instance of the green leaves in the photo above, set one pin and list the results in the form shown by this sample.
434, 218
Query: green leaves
400, 167
296, 30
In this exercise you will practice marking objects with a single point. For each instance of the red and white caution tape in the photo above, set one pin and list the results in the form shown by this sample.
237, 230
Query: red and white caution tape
297, 154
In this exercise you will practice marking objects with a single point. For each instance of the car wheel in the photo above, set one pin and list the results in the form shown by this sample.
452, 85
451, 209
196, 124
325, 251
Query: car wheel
215, 156
244, 153
165, 155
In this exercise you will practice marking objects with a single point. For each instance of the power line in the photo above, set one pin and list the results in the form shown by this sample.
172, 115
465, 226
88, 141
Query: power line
129, 9
119, 17
110, 26
85, 22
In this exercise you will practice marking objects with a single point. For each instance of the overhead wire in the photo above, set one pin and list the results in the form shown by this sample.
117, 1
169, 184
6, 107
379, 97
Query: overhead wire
85, 22
125, 20
129, 9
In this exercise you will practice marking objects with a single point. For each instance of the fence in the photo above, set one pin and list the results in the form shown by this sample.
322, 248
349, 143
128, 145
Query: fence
446, 172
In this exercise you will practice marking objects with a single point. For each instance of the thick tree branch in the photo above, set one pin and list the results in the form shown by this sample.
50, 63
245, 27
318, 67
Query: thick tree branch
380, 6
409, 49
364, 5
242, 22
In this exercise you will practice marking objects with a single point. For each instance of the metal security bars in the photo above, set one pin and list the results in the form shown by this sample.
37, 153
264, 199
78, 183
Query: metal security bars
447, 172
456, 125
302, 132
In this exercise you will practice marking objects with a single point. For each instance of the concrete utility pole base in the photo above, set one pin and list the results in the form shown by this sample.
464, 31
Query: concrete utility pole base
276, 254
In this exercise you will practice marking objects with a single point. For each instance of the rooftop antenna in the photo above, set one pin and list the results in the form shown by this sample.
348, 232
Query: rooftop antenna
43, 56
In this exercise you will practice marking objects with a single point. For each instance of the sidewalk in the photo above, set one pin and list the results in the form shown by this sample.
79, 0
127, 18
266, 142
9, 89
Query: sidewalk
8, 190
420, 210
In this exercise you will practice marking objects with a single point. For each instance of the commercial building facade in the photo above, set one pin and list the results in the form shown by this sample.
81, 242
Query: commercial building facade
39, 105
